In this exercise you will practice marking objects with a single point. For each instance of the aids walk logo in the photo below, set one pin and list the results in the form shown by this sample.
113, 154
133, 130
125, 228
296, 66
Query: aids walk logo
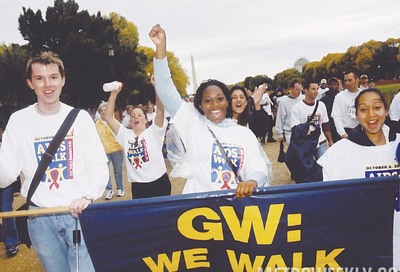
137, 153
373, 171
317, 119
61, 167
221, 172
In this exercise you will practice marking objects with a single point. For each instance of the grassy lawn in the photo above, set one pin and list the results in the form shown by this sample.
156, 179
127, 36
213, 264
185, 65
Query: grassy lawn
390, 88
389, 91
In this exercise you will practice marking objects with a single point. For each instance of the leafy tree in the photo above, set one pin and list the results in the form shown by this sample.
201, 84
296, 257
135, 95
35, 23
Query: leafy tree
128, 34
130, 63
284, 78
334, 65
309, 69
240, 83
380, 60
14, 93
259, 80
178, 74
83, 42
364, 58
246, 83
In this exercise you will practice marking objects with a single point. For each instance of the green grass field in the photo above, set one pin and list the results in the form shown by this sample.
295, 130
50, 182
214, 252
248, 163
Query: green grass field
389, 91
390, 88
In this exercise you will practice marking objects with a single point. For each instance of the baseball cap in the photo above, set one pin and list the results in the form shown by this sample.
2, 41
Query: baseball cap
333, 79
363, 77
323, 81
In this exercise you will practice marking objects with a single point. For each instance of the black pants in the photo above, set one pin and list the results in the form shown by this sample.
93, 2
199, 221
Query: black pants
159, 187
270, 126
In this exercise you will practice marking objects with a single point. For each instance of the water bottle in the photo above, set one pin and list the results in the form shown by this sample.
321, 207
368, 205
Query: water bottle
111, 86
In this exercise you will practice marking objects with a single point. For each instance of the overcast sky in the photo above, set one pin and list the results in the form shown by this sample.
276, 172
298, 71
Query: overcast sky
232, 39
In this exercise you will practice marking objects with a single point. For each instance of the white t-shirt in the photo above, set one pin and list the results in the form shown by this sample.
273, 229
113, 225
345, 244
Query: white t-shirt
125, 121
266, 99
394, 111
344, 111
208, 172
348, 160
151, 116
301, 111
144, 158
79, 166
321, 92
283, 116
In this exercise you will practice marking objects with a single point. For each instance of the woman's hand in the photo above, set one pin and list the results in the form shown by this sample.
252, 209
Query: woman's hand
245, 188
159, 38
78, 205
157, 35
258, 94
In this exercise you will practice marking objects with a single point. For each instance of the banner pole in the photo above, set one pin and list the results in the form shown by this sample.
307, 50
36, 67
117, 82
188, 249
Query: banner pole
41, 211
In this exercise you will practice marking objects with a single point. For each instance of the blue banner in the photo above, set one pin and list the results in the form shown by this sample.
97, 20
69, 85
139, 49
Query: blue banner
305, 227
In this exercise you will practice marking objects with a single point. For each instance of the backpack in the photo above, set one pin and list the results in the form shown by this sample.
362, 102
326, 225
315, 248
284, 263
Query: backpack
299, 156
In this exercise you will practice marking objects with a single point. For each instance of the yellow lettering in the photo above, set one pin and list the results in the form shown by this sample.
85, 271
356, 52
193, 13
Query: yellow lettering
212, 230
196, 258
164, 261
252, 218
297, 260
244, 263
324, 260
276, 261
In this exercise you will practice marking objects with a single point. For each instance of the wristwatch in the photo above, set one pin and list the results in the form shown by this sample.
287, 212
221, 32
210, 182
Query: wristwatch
89, 197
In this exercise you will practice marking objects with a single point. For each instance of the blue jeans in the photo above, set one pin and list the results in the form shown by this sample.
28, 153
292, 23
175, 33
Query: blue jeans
52, 239
116, 158
9, 226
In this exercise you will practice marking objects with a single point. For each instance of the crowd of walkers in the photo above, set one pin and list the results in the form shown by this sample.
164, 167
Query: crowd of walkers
215, 141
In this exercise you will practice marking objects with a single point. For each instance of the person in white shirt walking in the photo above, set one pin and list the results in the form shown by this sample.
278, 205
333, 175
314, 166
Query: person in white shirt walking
323, 88
77, 174
363, 82
302, 111
343, 110
369, 151
142, 145
267, 104
283, 116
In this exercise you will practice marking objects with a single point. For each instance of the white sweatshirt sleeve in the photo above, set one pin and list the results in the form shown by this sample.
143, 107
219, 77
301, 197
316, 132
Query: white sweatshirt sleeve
165, 87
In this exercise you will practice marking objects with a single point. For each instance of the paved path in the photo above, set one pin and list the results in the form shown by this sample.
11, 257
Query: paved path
281, 172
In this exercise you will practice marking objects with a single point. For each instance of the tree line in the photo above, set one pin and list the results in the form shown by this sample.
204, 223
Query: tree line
379, 60
98, 49
95, 49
